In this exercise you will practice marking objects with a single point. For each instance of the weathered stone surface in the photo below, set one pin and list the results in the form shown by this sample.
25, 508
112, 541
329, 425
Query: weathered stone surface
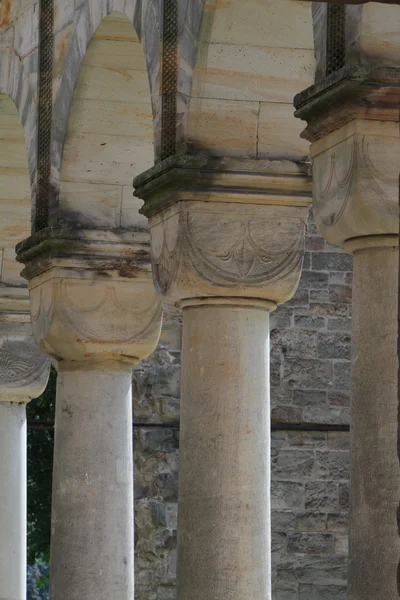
322, 496
310, 543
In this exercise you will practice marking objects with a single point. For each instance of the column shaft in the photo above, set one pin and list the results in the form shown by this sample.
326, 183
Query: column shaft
92, 507
224, 505
12, 501
375, 474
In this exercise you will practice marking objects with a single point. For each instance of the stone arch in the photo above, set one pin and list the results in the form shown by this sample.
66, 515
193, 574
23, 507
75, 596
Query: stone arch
14, 83
108, 137
15, 193
238, 80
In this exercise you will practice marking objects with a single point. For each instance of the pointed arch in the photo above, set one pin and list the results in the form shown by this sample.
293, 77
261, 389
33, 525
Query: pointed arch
108, 137
237, 81
143, 16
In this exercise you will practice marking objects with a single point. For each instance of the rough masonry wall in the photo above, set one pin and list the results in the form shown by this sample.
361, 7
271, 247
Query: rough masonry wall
310, 378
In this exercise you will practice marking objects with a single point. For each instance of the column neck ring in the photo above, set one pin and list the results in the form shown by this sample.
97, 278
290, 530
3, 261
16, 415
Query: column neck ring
367, 242
267, 305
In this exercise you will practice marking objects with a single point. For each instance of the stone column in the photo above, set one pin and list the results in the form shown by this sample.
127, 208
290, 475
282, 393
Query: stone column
24, 372
94, 310
375, 477
355, 181
227, 262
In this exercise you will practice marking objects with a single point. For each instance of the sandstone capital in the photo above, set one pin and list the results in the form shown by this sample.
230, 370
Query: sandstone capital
92, 297
227, 228
355, 180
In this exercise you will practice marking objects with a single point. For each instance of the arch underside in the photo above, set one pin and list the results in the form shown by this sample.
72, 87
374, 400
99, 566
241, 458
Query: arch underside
110, 131
251, 61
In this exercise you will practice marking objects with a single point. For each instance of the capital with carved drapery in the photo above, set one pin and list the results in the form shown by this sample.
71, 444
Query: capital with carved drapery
92, 298
353, 125
225, 228
96, 313
227, 239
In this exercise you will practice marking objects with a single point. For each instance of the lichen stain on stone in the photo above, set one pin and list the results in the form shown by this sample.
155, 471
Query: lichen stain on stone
5, 13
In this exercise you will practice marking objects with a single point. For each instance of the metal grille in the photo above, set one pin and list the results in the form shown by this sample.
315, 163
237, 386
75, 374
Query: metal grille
335, 39
46, 44
169, 82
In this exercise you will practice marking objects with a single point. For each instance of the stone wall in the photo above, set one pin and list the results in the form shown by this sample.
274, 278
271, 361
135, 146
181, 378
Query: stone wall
310, 378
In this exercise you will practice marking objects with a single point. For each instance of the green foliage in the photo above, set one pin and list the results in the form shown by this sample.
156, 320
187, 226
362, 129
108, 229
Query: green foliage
40, 466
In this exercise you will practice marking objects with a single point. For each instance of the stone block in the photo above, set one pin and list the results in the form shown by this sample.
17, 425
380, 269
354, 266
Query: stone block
331, 261
339, 324
310, 543
328, 309
293, 343
321, 496
330, 415
337, 278
312, 439
279, 133
284, 592
342, 375
307, 373
339, 440
323, 571
334, 345
310, 322
338, 398
344, 496
311, 521
225, 127
158, 439
333, 464
275, 367
319, 296
293, 464
322, 592
286, 414
341, 294
338, 522
314, 280
283, 520
314, 243
287, 495
309, 398
278, 542
342, 545
300, 298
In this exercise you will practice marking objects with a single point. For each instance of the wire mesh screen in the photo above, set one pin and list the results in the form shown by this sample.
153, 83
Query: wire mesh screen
169, 78
45, 113
335, 39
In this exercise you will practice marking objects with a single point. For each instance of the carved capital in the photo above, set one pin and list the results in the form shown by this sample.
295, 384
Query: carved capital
92, 297
24, 370
355, 180
226, 229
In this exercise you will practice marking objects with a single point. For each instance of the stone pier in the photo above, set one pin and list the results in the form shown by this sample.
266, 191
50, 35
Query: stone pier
95, 321
227, 262
355, 188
